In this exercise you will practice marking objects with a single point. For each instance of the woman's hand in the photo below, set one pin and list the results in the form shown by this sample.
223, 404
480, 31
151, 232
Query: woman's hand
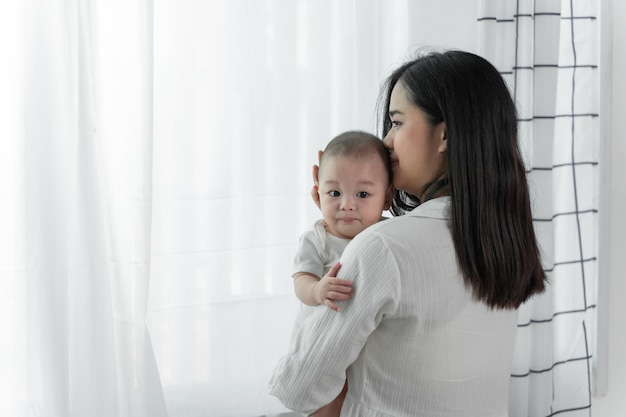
315, 190
330, 289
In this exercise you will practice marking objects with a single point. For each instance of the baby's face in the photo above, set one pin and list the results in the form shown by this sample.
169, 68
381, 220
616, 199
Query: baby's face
353, 191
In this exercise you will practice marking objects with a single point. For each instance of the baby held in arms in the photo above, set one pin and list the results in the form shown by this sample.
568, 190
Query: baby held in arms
353, 189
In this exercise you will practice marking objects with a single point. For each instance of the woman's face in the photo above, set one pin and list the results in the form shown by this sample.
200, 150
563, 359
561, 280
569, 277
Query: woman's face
417, 148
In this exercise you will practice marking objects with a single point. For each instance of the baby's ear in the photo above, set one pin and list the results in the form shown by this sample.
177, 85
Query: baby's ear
315, 189
388, 197
315, 195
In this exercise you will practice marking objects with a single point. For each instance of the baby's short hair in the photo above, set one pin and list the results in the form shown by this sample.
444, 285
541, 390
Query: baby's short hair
357, 144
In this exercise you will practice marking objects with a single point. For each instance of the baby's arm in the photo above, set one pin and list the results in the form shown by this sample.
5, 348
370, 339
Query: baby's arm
312, 290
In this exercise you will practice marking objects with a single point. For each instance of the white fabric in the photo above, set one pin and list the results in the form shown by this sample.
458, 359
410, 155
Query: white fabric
155, 170
75, 254
245, 93
318, 250
548, 53
413, 339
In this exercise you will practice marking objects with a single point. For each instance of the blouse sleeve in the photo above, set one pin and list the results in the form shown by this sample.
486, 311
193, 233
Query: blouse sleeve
313, 372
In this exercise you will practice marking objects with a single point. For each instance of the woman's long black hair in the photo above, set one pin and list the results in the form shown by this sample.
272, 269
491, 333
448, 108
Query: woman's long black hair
491, 220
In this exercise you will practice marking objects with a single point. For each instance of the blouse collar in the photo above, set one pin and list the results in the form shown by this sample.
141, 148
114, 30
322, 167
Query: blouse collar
436, 208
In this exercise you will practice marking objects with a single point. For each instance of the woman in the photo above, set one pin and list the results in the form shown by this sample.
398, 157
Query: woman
430, 327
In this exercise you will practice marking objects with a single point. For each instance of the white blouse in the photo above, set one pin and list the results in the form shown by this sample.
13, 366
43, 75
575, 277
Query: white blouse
412, 340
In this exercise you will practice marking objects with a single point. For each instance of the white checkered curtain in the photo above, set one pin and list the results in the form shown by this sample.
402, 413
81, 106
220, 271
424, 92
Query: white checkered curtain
548, 52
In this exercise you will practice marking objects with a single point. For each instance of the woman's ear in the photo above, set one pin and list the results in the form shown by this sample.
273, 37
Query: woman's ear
443, 142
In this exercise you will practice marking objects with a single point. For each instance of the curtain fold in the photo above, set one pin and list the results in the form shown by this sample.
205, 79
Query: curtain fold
75, 267
122, 63
245, 93
12, 290
548, 52
156, 173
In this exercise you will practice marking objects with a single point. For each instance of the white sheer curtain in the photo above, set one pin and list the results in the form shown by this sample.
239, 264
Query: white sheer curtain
245, 93
155, 176
548, 53
75, 251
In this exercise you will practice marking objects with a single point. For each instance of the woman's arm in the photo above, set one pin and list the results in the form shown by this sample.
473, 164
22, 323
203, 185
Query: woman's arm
313, 373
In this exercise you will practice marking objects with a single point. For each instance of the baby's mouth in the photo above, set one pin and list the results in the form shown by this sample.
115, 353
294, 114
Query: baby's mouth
347, 219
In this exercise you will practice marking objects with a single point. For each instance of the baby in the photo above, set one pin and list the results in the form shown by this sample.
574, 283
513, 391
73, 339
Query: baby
354, 188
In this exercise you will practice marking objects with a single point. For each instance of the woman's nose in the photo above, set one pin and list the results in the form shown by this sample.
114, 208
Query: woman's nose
388, 139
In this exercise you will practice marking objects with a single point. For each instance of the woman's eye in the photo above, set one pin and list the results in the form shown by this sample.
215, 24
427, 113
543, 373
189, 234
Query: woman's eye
395, 123
362, 194
334, 193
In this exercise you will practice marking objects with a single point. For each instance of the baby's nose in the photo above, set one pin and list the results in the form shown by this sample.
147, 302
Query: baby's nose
348, 203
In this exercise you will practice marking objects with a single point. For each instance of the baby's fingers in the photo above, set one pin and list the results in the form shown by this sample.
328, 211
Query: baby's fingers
329, 303
336, 295
341, 282
333, 270
345, 289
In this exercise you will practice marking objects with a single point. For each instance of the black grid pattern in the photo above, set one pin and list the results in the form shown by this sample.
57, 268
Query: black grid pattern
546, 52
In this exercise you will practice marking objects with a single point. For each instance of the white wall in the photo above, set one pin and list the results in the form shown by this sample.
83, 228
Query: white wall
614, 403
444, 24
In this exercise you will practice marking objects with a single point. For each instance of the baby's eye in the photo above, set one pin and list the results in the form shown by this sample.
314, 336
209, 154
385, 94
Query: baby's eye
362, 194
334, 193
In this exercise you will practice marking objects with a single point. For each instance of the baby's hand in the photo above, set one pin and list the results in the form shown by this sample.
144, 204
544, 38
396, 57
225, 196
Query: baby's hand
330, 288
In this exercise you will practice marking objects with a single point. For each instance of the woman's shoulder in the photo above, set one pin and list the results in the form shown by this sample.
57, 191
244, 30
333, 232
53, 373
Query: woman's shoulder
438, 209
426, 225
